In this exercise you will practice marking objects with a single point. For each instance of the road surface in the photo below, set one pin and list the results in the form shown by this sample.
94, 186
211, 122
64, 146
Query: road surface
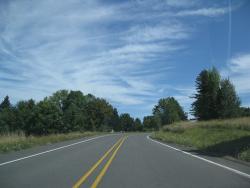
117, 161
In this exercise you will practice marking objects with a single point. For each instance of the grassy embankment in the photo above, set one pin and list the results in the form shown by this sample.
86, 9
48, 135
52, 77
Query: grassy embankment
229, 137
15, 142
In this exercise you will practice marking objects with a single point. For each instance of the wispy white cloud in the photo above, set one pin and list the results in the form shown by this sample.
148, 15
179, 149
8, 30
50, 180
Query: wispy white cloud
115, 51
70, 46
181, 3
163, 31
238, 69
210, 12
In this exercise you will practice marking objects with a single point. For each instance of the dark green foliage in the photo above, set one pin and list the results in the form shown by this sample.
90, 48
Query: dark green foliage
138, 125
150, 123
215, 98
168, 111
126, 122
115, 121
5, 104
207, 86
25, 113
59, 98
99, 115
64, 112
73, 111
7, 120
48, 119
244, 112
228, 102
7, 116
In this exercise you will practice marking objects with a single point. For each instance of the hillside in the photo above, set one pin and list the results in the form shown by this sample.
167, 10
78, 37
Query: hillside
229, 137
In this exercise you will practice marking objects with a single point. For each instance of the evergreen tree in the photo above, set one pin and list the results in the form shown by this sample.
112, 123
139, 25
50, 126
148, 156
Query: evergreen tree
7, 116
5, 104
207, 85
228, 105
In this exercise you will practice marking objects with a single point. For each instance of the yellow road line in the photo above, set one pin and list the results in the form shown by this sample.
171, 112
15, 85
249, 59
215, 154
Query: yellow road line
88, 173
104, 170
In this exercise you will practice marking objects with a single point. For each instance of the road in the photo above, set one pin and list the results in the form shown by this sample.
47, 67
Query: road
134, 161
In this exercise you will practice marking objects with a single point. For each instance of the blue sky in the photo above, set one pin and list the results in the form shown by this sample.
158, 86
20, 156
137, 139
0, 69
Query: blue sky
130, 52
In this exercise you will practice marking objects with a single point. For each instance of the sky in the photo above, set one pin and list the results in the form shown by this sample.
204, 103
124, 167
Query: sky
131, 53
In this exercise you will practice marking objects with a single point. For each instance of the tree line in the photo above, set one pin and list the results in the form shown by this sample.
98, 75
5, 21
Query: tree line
215, 98
64, 112
67, 111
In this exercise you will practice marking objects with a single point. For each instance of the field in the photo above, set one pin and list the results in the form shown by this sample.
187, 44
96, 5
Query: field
230, 138
15, 142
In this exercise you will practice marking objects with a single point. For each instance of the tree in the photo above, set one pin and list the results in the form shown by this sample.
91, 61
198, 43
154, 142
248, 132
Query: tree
215, 98
244, 111
126, 122
115, 121
74, 119
73, 107
100, 114
47, 118
5, 104
7, 116
63, 112
149, 123
228, 103
74, 97
168, 110
207, 86
59, 98
25, 112
138, 125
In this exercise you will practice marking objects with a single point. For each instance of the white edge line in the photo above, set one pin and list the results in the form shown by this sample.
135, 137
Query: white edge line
62, 147
203, 159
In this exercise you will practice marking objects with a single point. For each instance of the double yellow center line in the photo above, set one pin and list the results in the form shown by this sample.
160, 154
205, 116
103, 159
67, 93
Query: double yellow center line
114, 148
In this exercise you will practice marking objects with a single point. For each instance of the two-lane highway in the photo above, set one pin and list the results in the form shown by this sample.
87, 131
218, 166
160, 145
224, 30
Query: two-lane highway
117, 160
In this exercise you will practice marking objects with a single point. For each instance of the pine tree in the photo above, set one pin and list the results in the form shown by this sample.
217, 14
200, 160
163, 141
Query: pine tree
228, 101
5, 103
207, 86
7, 118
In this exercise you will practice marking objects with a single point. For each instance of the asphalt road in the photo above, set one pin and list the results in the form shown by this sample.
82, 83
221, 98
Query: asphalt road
134, 161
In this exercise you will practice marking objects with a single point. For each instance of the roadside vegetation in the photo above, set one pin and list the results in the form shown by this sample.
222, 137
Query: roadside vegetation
230, 137
69, 114
63, 116
15, 142
64, 112
221, 125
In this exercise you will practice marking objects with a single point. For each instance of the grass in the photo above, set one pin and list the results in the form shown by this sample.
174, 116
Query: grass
229, 137
15, 142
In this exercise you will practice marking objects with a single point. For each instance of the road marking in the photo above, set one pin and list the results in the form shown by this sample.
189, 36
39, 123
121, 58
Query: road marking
89, 172
55, 149
203, 159
104, 170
